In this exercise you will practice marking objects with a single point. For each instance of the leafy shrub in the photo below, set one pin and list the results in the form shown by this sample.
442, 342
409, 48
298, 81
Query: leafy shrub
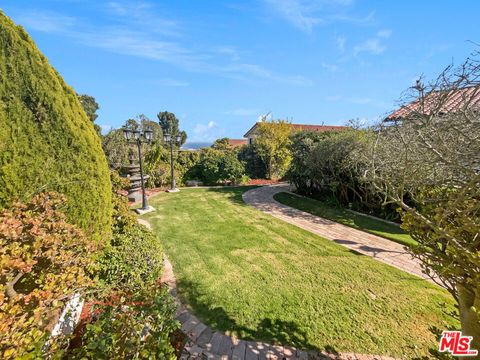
43, 261
300, 172
122, 217
217, 166
133, 259
255, 167
157, 165
245, 179
131, 327
116, 149
328, 167
133, 315
47, 142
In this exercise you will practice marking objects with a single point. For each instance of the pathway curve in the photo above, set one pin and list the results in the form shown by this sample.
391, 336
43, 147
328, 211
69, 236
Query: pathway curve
379, 248
205, 343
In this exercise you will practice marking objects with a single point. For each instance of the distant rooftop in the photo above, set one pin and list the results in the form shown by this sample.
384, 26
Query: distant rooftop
440, 102
306, 127
233, 143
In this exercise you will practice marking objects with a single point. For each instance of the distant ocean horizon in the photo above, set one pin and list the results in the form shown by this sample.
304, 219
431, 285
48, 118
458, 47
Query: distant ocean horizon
195, 145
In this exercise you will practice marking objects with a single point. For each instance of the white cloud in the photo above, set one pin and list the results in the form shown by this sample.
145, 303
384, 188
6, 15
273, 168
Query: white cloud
171, 82
330, 67
150, 36
373, 45
207, 132
299, 13
384, 34
243, 112
245, 71
128, 8
231, 51
47, 22
142, 15
354, 19
340, 42
306, 14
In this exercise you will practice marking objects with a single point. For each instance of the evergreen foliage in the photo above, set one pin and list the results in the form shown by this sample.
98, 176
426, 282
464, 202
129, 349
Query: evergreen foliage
47, 142
273, 141
170, 125
217, 166
255, 167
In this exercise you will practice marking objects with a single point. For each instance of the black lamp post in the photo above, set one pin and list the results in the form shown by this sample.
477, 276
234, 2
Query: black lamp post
171, 140
138, 137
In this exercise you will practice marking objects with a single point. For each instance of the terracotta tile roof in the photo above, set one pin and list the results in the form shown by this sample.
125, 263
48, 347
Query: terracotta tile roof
233, 143
306, 127
441, 102
320, 128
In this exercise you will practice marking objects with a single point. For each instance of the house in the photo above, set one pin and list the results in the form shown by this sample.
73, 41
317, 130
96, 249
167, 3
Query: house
440, 103
252, 133
234, 143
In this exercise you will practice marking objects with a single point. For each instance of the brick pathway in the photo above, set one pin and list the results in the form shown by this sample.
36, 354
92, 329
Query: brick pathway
206, 343
381, 249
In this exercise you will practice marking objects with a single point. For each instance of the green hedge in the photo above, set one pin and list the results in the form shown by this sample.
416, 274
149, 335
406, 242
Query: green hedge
46, 139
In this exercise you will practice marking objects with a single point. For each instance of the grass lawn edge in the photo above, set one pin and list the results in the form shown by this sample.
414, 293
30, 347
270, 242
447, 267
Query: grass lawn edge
280, 197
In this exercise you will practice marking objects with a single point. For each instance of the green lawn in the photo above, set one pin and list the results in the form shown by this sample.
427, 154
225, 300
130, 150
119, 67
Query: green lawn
247, 273
342, 216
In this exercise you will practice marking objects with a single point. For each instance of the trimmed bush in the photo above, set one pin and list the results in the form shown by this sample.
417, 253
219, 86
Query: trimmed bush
47, 141
133, 258
255, 167
217, 166
131, 326
43, 261
157, 165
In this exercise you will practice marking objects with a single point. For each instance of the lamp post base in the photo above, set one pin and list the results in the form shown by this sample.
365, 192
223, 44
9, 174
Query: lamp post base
173, 190
144, 211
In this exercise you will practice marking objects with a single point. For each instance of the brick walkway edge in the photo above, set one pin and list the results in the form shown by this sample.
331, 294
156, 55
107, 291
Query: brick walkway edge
379, 248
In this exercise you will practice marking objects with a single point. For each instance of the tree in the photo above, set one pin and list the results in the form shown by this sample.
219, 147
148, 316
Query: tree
428, 164
90, 106
221, 144
145, 122
170, 125
273, 142
116, 148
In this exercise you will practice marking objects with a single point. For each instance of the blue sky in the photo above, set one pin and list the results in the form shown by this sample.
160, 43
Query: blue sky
218, 65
